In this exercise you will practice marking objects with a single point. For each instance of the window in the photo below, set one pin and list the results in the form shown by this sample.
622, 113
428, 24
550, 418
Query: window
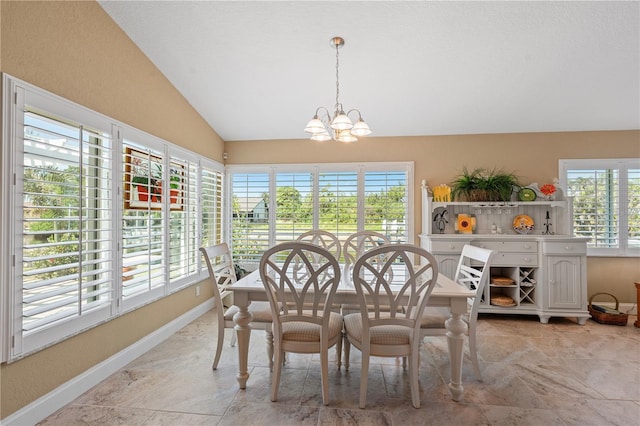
606, 204
104, 218
275, 204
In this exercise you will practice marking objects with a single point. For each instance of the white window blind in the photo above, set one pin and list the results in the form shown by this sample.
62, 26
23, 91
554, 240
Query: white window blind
250, 216
143, 246
606, 204
67, 232
339, 198
294, 205
212, 206
385, 204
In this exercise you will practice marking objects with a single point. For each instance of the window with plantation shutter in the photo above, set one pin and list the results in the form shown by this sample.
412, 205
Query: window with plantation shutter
606, 204
386, 197
66, 246
249, 216
294, 205
211, 205
143, 247
278, 204
99, 218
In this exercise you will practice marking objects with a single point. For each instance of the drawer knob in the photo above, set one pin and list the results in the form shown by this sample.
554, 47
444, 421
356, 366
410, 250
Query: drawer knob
451, 246
567, 248
527, 259
527, 246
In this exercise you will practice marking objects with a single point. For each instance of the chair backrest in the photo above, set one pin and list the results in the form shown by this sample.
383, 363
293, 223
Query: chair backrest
400, 300
221, 269
356, 244
474, 270
324, 239
307, 296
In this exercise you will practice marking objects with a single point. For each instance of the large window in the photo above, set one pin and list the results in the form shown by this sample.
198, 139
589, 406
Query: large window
269, 205
606, 203
98, 218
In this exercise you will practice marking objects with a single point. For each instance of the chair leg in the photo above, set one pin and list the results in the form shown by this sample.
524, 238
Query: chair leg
277, 370
324, 372
269, 338
364, 376
216, 359
414, 373
347, 350
473, 353
339, 351
234, 337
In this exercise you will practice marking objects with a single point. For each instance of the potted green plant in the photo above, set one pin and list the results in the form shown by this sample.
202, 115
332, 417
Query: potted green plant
483, 185
142, 185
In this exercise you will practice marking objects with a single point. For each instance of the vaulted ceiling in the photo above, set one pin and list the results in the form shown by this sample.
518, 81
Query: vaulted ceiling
259, 69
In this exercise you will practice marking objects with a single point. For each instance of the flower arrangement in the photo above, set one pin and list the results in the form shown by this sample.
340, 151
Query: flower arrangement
548, 190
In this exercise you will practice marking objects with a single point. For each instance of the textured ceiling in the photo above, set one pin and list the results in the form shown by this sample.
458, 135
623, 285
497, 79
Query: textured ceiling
258, 70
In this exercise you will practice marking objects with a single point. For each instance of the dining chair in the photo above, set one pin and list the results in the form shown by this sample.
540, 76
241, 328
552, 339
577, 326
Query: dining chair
222, 273
303, 321
388, 324
473, 272
324, 239
356, 244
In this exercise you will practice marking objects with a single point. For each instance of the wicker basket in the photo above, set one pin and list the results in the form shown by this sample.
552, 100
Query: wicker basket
607, 315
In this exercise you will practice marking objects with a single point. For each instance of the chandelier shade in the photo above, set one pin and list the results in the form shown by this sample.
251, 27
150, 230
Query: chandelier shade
340, 128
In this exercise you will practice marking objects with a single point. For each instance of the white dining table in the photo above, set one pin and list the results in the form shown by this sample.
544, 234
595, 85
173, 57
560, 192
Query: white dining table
446, 293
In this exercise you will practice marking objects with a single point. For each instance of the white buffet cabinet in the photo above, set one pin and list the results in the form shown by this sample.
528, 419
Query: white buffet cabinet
548, 270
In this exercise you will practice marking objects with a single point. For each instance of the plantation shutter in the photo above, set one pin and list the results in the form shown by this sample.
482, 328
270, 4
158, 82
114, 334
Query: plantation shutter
250, 216
143, 225
183, 224
294, 205
595, 205
67, 257
338, 203
385, 203
633, 215
212, 206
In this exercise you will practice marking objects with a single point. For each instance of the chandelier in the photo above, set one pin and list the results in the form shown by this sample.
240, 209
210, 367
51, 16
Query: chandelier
323, 127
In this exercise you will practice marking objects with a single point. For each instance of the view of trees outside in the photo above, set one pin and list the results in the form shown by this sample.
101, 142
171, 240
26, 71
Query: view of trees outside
595, 206
337, 201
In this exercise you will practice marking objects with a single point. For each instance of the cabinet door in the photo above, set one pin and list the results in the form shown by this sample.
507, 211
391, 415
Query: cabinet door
447, 264
564, 281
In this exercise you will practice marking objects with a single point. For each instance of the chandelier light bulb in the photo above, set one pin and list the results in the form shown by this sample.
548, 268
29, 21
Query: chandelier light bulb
360, 129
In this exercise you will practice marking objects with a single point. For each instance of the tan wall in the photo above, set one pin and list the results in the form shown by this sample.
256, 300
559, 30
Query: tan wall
75, 50
438, 159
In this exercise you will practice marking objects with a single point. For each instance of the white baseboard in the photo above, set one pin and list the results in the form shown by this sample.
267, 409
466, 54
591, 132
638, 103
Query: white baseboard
69, 391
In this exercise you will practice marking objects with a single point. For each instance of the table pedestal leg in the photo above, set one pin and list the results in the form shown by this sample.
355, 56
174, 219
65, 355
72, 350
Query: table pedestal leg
242, 319
456, 330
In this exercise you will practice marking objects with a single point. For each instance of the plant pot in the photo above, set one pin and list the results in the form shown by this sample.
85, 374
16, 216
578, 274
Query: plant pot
173, 194
143, 192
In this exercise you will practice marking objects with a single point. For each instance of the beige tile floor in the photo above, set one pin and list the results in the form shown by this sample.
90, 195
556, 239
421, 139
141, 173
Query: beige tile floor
559, 373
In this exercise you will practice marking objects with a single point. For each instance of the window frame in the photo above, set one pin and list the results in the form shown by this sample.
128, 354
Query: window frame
360, 168
16, 343
622, 165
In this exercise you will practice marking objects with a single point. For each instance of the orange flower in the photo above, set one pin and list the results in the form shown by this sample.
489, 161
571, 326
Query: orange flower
548, 189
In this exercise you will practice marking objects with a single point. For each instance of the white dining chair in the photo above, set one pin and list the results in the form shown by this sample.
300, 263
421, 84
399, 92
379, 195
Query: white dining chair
388, 324
222, 274
303, 321
473, 272
356, 244
324, 239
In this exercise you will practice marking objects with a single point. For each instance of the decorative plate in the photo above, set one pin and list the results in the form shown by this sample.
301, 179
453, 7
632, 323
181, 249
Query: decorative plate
504, 301
527, 194
523, 224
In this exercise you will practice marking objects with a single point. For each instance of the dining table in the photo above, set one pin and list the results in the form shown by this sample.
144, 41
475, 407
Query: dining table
446, 293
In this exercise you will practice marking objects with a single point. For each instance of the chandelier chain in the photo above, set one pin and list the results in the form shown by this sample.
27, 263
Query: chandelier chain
337, 76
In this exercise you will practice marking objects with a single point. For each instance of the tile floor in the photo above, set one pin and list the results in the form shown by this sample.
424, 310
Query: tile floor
534, 374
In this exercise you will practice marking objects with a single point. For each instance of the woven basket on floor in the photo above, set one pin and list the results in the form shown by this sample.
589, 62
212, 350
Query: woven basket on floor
610, 316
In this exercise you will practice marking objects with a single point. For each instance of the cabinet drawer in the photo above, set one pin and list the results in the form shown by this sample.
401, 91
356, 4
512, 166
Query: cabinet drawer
447, 246
565, 248
509, 246
515, 259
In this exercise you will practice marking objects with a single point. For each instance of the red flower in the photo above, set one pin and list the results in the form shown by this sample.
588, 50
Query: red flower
548, 189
